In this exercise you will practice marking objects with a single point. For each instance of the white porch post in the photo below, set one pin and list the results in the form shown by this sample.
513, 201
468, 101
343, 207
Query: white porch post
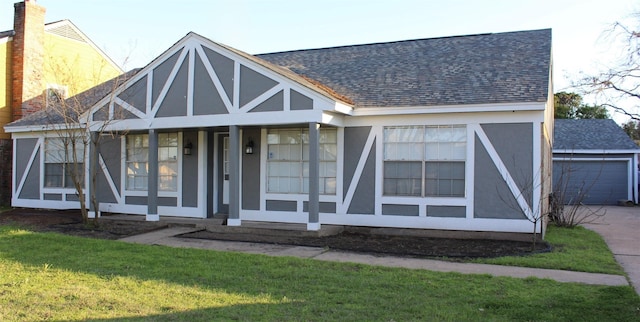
152, 183
314, 177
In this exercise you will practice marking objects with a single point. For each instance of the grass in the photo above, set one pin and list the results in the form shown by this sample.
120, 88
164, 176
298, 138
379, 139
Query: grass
48, 276
574, 249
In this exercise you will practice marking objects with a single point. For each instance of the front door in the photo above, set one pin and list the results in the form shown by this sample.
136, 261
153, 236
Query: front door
223, 173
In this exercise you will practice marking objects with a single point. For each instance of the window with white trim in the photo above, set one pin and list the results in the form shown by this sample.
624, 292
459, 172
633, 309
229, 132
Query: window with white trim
288, 160
62, 160
137, 161
55, 94
425, 161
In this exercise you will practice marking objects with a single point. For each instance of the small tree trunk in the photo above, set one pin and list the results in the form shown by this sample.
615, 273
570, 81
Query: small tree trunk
83, 206
535, 236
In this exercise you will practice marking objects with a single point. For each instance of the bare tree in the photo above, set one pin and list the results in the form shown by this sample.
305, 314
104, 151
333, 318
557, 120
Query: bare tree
78, 136
567, 207
527, 185
620, 82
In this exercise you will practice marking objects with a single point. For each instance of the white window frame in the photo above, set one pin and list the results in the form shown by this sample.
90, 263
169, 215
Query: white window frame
54, 153
299, 165
176, 161
424, 144
60, 91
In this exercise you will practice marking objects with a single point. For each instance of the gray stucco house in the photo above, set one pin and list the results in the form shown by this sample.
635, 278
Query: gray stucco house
595, 161
449, 133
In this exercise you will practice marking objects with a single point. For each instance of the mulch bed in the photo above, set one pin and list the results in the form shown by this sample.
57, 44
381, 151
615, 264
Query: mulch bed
70, 222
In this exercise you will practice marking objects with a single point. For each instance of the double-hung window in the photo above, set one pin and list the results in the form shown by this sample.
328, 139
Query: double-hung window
137, 161
63, 161
288, 160
425, 160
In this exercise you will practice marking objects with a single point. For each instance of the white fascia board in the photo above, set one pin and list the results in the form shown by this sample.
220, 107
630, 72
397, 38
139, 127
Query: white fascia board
343, 108
583, 151
203, 121
333, 119
446, 118
472, 108
42, 128
6, 39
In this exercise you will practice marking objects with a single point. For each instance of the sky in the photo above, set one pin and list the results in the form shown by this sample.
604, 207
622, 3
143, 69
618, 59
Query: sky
134, 32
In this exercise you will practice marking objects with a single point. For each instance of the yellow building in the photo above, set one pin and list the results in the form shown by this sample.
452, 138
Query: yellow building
38, 60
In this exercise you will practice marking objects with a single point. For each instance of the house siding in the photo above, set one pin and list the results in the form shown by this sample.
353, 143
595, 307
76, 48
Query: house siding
190, 170
251, 171
175, 102
492, 197
31, 187
362, 202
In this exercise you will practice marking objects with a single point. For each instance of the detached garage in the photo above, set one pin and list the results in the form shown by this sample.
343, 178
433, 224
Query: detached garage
594, 162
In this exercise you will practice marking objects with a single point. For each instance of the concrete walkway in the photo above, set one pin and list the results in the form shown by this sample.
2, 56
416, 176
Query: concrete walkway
620, 229
167, 237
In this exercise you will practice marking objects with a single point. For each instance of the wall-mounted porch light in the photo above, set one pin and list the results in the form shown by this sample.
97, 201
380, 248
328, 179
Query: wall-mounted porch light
248, 149
186, 150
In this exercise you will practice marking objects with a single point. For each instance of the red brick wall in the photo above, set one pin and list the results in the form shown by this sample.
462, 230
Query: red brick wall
28, 59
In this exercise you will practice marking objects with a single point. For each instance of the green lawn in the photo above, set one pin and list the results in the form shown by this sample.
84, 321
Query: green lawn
45, 276
574, 249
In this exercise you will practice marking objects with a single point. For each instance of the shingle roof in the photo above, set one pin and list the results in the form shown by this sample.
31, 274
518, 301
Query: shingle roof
590, 135
507, 67
82, 101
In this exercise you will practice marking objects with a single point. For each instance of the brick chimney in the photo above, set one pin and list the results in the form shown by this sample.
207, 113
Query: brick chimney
27, 64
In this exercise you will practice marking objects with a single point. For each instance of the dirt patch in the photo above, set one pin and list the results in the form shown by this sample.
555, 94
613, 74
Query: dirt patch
395, 245
70, 222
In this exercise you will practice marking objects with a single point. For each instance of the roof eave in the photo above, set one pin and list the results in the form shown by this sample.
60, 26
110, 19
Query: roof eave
462, 108
595, 151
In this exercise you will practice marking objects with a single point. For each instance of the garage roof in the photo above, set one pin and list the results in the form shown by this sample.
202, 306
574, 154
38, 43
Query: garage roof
591, 135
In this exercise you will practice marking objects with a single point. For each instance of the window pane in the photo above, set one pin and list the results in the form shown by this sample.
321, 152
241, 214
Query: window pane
457, 189
167, 183
445, 179
272, 152
459, 133
70, 170
445, 151
391, 152
329, 185
141, 182
272, 184
53, 175
294, 185
431, 187
328, 136
328, 152
296, 152
457, 170
459, 151
402, 178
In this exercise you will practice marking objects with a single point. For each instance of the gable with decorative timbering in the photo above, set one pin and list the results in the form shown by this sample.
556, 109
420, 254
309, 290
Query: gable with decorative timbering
201, 83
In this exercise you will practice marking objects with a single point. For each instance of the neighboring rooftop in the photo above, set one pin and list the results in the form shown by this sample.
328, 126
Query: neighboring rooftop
591, 134
80, 102
512, 67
